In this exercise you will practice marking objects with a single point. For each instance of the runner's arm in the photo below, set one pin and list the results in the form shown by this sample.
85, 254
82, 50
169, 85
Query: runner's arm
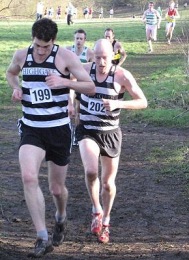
12, 75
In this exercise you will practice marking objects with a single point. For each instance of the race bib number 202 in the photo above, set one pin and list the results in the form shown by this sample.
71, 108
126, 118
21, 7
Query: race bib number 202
96, 107
40, 95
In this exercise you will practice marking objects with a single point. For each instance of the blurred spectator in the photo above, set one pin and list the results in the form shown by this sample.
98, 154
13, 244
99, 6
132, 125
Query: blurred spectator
86, 12
90, 12
111, 13
70, 13
39, 14
50, 12
101, 14
58, 13
45, 12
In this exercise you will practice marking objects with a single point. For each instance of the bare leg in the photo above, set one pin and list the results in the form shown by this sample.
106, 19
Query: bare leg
57, 177
150, 45
89, 151
30, 158
108, 193
171, 33
148, 37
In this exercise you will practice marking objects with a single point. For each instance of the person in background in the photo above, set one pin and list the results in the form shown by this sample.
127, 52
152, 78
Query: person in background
58, 13
85, 55
45, 12
99, 134
111, 12
90, 12
101, 13
86, 12
70, 13
152, 19
118, 50
40, 7
45, 125
170, 16
50, 12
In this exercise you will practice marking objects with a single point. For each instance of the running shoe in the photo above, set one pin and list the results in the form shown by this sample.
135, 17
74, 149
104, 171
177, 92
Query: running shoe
96, 225
59, 233
104, 236
41, 248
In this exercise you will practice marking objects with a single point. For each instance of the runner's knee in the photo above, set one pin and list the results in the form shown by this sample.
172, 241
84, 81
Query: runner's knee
56, 189
29, 178
91, 175
109, 186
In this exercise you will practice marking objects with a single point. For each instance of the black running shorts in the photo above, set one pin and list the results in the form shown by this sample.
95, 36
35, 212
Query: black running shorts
109, 142
56, 141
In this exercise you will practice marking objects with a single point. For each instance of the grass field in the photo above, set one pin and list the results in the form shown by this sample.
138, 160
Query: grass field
161, 75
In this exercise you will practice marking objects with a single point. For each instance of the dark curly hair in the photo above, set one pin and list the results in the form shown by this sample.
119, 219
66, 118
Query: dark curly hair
45, 29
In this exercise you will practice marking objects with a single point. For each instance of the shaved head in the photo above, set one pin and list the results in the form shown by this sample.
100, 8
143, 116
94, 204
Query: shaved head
103, 45
103, 54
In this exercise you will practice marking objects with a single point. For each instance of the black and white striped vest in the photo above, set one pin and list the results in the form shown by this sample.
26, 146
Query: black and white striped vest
92, 112
43, 107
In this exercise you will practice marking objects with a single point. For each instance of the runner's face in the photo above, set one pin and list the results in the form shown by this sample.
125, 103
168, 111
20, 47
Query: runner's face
109, 36
79, 39
151, 5
171, 6
41, 48
103, 60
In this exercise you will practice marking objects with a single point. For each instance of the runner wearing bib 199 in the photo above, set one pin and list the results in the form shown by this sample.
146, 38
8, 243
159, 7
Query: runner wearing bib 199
45, 125
170, 16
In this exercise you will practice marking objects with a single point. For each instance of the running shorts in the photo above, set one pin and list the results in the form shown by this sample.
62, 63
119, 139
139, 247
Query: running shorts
109, 142
56, 141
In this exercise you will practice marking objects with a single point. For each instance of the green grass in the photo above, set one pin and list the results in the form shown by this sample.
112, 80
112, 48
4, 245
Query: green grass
161, 75
171, 160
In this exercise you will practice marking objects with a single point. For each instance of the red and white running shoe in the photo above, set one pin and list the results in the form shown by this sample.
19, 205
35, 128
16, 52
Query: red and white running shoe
96, 225
104, 236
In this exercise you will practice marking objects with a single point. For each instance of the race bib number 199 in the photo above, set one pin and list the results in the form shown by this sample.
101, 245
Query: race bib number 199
40, 95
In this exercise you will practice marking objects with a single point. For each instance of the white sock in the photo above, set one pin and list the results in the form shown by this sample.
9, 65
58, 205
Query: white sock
43, 234
106, 221
97, 210
59, 219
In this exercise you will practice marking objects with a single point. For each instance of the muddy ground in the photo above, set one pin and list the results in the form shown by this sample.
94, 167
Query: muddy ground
150, 215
